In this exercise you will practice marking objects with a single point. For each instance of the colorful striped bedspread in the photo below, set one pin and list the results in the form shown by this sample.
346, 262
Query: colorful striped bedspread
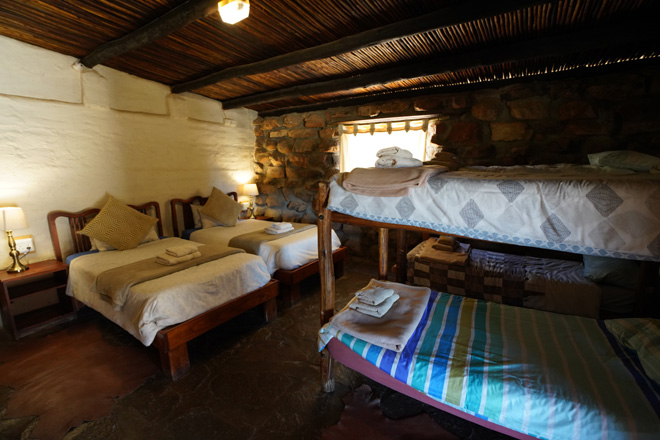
547, 375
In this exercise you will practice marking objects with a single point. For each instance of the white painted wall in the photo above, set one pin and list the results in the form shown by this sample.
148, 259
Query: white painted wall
69, 137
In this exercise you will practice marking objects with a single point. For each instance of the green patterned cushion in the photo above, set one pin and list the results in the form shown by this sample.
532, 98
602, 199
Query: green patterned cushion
222, 208
119, 225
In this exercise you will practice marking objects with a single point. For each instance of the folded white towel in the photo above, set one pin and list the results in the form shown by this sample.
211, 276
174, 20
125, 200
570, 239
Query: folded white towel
394, 151
168, 260
181, 250
397, 162
375, 311
277, 231
373, 295
281, 225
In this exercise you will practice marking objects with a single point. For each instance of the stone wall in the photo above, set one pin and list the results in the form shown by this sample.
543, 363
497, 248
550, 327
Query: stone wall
537, 122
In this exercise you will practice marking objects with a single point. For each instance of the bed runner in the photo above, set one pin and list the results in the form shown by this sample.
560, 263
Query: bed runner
113, 284
251, 241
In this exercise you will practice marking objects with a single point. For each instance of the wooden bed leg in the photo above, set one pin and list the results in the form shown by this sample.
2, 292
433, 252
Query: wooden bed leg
327, 378
339, 269
174, 361
382, 258
270, 309
326, 268
290, 294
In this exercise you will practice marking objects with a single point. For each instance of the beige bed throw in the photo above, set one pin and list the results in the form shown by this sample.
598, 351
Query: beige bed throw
251, 241
393, 329
388, 182
114, 284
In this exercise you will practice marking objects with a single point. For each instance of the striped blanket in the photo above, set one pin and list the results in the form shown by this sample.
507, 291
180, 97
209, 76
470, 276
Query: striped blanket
547, 375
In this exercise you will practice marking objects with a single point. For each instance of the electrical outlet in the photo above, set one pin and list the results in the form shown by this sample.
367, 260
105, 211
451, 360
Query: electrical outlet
22, 244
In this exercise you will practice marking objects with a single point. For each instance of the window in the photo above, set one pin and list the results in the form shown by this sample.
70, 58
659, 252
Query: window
361, 140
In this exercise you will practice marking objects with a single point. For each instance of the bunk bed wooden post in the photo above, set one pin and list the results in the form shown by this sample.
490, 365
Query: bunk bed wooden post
383, 251
401, 256
326, 272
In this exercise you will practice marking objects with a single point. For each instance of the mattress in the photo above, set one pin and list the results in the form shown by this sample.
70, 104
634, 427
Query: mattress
580, 209
542, 374
172, 299
541, 283
286, 253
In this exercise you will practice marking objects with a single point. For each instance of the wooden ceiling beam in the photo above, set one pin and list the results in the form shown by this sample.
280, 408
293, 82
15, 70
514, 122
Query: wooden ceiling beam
181, 16
463, 12
562, 44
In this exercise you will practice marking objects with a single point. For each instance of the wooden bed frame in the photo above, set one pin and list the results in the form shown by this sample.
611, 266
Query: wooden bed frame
336, 349
289, 279
171, 341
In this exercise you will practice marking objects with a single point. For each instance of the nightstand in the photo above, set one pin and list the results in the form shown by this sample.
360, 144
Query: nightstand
35, 285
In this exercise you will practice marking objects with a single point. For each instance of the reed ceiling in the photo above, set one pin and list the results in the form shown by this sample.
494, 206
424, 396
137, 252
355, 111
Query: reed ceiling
299, 55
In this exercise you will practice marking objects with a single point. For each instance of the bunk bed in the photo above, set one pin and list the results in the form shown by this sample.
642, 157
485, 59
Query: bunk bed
290, 259
595, 213
167, 311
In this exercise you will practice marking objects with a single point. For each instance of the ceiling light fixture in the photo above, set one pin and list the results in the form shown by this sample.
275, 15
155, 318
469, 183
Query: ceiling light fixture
233, 11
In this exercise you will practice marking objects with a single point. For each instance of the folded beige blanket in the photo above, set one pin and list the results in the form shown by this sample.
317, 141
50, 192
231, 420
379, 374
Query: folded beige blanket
180, 251
251, 241
393, 330
457, 257
169, 260
114, 284
388, 182
376, 311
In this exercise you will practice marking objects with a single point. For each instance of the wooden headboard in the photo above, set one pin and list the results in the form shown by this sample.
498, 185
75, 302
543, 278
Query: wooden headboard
78, 220
186, 210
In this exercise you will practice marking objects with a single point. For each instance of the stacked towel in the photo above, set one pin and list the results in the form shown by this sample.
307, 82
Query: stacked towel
279, 228
374, 301
395, 157
169, 260
458, 256
445, 159
445, 243
182, 250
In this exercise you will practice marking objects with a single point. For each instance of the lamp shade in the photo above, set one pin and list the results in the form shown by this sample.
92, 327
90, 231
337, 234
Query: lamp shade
250, 189
12, 218
233, 11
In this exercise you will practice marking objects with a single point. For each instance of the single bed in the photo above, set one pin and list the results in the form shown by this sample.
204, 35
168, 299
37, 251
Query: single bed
290, 259
524, 372
169, 311
596, 213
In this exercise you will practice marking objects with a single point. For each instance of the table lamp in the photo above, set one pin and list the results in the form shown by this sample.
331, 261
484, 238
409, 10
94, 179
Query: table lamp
13, 218
250, 189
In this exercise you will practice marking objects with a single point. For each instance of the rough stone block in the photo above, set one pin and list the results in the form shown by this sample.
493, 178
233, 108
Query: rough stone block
269, 124
508, 131
278, 133
275, 173
303, 133
315, 120
576, 110
293, 120
464, 132
587, 127
529, 108
487, 109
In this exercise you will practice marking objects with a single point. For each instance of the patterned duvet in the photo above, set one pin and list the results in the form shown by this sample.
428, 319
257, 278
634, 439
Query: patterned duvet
547, 375
579, 209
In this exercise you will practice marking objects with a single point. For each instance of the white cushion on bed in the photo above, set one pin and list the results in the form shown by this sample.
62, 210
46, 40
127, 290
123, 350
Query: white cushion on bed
102, 246
197, 216
624, 159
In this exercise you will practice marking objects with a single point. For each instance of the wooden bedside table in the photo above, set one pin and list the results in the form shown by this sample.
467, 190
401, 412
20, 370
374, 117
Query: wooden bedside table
38, 280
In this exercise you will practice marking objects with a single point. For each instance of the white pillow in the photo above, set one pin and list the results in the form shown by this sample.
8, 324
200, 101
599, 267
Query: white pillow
627, 160
101, 246
197, 216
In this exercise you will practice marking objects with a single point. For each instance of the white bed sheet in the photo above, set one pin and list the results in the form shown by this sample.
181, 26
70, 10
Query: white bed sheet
172, 299
286, 253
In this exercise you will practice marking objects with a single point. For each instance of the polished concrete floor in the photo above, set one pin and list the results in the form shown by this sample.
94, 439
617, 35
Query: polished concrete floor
247, 381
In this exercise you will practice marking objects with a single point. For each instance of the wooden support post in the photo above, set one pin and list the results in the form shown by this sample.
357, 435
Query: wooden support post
382, 257
401, 256
326, 273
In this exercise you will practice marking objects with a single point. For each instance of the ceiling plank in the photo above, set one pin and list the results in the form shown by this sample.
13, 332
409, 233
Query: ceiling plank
562, 44
445, 17
181, 16
459, 88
